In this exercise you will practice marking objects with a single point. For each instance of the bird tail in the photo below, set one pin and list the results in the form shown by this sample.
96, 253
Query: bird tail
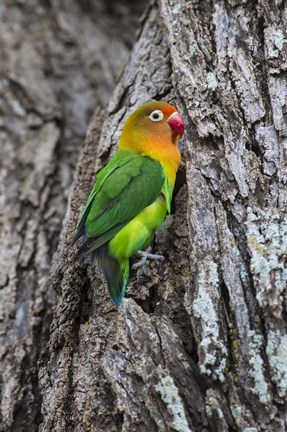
116, 272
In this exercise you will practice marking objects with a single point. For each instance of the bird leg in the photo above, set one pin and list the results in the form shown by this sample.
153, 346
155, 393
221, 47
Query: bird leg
145, 255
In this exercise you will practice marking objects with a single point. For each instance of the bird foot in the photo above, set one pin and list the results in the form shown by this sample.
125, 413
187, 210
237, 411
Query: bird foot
144, 257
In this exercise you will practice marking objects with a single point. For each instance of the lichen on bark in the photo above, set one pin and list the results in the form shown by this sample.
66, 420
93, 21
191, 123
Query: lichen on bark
199, 343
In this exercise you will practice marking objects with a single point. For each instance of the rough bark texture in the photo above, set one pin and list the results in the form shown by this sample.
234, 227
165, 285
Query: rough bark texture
200, 342
58, 61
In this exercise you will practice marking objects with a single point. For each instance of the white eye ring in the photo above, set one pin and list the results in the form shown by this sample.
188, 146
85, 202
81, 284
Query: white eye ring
156, 116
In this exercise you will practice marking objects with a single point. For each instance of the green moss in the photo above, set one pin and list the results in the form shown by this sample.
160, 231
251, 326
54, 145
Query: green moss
233, 335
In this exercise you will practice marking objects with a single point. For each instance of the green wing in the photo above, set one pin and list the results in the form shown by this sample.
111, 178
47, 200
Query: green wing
127, 184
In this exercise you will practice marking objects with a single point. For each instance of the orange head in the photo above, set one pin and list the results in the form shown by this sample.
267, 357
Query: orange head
154, 130
153, 121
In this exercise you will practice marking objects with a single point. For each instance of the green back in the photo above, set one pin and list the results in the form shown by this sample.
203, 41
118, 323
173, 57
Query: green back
126, 185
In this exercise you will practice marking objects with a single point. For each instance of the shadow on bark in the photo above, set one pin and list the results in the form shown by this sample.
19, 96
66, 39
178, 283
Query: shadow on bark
200, 341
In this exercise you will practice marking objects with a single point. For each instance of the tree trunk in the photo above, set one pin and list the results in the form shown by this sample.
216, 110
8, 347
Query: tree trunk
58, 61
199, 343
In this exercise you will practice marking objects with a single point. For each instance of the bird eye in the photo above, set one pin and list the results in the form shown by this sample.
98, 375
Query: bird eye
156, 115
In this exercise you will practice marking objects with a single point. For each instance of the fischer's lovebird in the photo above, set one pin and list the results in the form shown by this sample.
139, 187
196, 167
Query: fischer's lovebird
132, 193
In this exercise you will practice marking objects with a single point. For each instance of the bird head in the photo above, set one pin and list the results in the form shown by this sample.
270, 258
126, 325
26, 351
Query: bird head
152, 124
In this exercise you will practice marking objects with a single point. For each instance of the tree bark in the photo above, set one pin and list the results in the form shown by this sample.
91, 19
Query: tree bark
199, 343
59, 60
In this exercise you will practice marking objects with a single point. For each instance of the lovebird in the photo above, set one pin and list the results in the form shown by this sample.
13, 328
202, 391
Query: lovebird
132, 193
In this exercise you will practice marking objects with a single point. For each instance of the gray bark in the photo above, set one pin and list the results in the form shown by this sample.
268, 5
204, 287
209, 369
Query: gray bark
200, 342
59, 60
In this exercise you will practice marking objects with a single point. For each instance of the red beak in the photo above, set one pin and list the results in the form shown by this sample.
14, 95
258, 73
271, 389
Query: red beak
176, 123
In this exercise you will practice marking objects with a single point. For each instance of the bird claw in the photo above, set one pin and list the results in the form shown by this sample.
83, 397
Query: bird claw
144, 257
